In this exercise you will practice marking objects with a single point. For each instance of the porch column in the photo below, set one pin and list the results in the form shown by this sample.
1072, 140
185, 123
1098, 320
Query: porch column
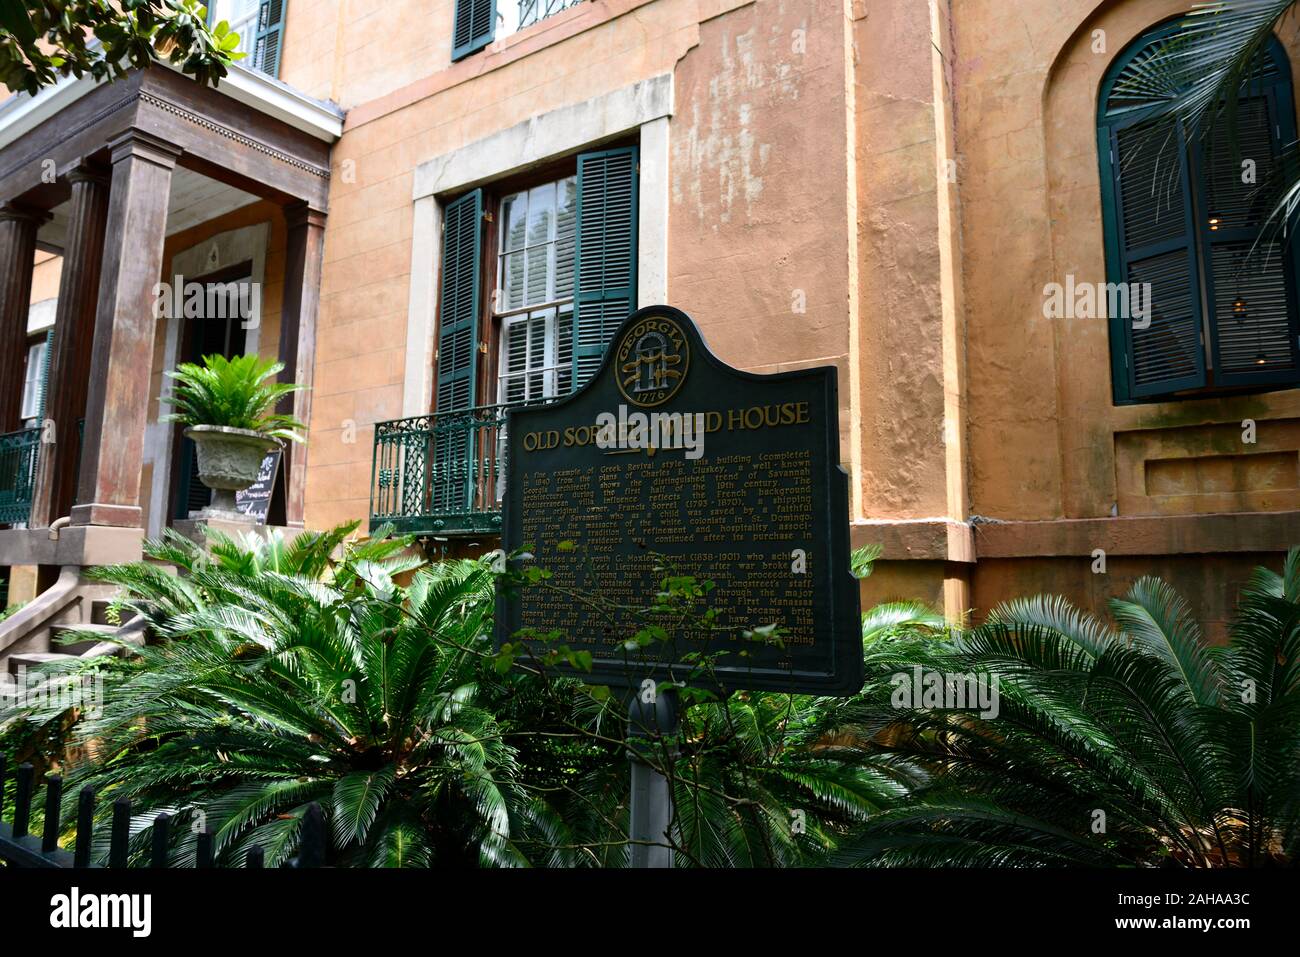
74, 333
302, 275
18, 226
117, 401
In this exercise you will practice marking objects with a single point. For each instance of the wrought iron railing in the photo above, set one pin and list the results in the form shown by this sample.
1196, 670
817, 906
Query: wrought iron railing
18, 451
531, 11
440, 474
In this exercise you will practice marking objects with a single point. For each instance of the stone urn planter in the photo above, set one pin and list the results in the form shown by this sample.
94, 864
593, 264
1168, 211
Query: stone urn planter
229, 460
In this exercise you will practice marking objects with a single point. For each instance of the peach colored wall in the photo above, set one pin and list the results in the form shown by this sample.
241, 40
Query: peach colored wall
45, 276
759, 192
759, 215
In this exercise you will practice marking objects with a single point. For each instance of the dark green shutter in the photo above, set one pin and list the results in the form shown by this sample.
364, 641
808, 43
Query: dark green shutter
1178, 215
1154, 223
474, 28
269, 37
1251, 268
450, 478
606, 253
43, 388
458, 306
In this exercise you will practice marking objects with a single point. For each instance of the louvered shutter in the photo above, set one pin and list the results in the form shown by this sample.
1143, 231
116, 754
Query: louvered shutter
606, 253
44, 388
1252, 332
458, 308
474, 27
457, 358
269, 37
1154, 222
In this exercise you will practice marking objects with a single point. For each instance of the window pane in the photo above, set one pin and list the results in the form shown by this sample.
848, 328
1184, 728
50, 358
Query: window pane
537, 356
564, 352
541, 214
242, 17
539, 274
32, 380
512, 281
514, 216
566, 218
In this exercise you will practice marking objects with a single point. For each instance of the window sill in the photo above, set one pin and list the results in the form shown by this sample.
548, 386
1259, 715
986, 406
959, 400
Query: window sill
1206, 410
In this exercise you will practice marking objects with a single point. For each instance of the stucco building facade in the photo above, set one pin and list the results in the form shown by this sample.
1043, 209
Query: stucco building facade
443, 203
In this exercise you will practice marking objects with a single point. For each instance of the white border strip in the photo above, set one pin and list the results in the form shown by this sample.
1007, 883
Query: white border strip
546, 136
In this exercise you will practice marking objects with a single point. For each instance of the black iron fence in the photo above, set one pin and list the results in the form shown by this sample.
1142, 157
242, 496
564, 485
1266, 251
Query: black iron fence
21, 849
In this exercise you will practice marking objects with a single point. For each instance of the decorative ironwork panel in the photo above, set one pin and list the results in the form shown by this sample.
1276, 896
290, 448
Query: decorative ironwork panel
18, 452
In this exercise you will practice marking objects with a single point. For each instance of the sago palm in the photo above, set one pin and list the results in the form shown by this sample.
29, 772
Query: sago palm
1138, 746
273, 690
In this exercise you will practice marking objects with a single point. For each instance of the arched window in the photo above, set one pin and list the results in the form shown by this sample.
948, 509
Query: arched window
1183, 214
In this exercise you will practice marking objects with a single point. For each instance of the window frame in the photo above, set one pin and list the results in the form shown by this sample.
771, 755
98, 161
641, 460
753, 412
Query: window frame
1209, 381
36, 342
500, 320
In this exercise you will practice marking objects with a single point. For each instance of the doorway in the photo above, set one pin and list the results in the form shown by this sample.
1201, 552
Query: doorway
218, 330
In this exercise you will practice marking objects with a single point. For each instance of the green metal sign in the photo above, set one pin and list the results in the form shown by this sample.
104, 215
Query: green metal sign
671, 458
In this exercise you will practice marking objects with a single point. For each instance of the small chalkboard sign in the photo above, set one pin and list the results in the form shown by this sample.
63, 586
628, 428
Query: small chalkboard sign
255, 501
734, 477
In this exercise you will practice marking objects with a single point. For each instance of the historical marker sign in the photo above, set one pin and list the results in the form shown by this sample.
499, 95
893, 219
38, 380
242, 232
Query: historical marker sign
734, 477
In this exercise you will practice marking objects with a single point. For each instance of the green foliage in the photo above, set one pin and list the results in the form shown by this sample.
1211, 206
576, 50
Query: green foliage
43, 40
280, 676
1191, 753
233, 393
355, 675
862, 561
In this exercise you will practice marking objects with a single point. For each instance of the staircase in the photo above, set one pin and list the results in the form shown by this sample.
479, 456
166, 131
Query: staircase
65, 622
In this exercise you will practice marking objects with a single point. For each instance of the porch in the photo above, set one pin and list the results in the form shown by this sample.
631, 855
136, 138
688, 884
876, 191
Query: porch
111, 178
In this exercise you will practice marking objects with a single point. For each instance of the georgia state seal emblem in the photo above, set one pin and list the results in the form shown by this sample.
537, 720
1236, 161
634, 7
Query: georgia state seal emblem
651, 361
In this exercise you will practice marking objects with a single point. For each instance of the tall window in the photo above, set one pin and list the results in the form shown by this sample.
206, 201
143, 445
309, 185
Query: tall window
535, 291
1187, 215
34, 379
562, 280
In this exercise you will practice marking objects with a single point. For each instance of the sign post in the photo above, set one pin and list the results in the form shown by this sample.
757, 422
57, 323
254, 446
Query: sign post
651, 726
670, 455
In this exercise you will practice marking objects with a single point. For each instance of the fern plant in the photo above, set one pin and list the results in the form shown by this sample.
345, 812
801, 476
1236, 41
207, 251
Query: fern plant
235, 394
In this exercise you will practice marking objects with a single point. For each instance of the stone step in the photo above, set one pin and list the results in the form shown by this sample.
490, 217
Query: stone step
34, 659
94, 635
99, 611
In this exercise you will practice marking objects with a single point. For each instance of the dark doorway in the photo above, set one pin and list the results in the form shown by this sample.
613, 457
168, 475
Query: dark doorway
205, 335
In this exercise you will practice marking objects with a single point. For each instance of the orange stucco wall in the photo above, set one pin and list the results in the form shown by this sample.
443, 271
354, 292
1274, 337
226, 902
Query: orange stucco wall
882, 185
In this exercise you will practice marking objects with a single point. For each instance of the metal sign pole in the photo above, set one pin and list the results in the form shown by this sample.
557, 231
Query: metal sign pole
651, 812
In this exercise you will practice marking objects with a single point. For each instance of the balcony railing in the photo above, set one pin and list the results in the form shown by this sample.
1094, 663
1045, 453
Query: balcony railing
532, 11
440, 474
18, 452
